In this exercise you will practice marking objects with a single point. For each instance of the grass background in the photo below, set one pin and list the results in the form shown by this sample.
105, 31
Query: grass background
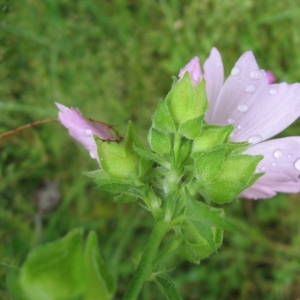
114, 60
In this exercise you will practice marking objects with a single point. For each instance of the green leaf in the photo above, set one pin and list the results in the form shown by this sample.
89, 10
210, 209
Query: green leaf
55, 270
160, 142
209, 164
239, 168
212, 137
192, 128
222, 192
236, 147
115, 186
197, 211
167, 287
100, 283
14, 287
195, 246
149, 155
162, 119
201, 101
132, 140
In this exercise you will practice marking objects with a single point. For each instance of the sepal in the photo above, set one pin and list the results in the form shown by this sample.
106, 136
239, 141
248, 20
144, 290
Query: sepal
160, 142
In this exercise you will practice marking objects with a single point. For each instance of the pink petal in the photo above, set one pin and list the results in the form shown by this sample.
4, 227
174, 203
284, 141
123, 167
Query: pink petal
257, 109
281, 164
214, 76
193, 67
270, 76
81, 130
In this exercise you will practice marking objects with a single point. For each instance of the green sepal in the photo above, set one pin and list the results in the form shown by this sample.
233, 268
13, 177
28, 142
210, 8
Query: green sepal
254, 178
184, 151
13, 285
221, 192
209, 164
132, 140
239, 168
122, 198
116, 161
99, 281
55, 270
192, 128
167, 287
162, 119
186, 102
151, 156
212, 137
236, 147
160, 142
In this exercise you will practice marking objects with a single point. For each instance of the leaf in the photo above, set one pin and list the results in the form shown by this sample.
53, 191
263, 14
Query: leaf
55, 270
167, 287
192, 128
100, 283
197, 211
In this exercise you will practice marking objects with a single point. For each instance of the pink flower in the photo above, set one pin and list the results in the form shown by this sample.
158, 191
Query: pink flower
258, 110
82, 130
270, 76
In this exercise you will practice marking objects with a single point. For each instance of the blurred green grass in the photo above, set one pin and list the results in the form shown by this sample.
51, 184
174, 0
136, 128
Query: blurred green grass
114, 60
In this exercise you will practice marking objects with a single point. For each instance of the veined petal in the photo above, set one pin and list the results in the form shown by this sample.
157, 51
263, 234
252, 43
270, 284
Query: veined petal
82, 130
281, 164
258, 110
214, 77
193, 67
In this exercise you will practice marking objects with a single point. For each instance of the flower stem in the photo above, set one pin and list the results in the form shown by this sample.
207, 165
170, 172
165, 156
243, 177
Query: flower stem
144, 268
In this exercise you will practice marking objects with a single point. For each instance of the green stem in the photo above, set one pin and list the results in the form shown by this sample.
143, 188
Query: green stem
144, 268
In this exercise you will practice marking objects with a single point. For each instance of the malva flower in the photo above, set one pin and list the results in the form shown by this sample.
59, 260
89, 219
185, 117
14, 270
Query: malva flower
258, 110
82, 130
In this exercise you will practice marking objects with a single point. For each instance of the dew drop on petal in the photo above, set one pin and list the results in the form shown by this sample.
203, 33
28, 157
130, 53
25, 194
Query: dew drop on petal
88, 132
263, 168
289, 156
250, 89
92, 155
240, 127
255, 74
274, 164
255, 139
272, 91
277, 153
231, 121
242, 108
235, 71
297, 164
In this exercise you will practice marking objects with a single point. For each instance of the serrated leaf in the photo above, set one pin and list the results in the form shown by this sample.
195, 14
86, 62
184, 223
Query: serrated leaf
160, 142
167, 287
162, 119
55, 270
212, 137
209, 164
192, 128
100, 283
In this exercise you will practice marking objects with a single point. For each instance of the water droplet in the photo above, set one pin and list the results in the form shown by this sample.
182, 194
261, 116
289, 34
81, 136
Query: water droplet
255, 74
274, 164
289, 156
277, 153
240, 127
255, 139
88, 132
235, 71
263, 168
243, 108
92, 155
297, 164
272, 91
231, 121
250, 89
